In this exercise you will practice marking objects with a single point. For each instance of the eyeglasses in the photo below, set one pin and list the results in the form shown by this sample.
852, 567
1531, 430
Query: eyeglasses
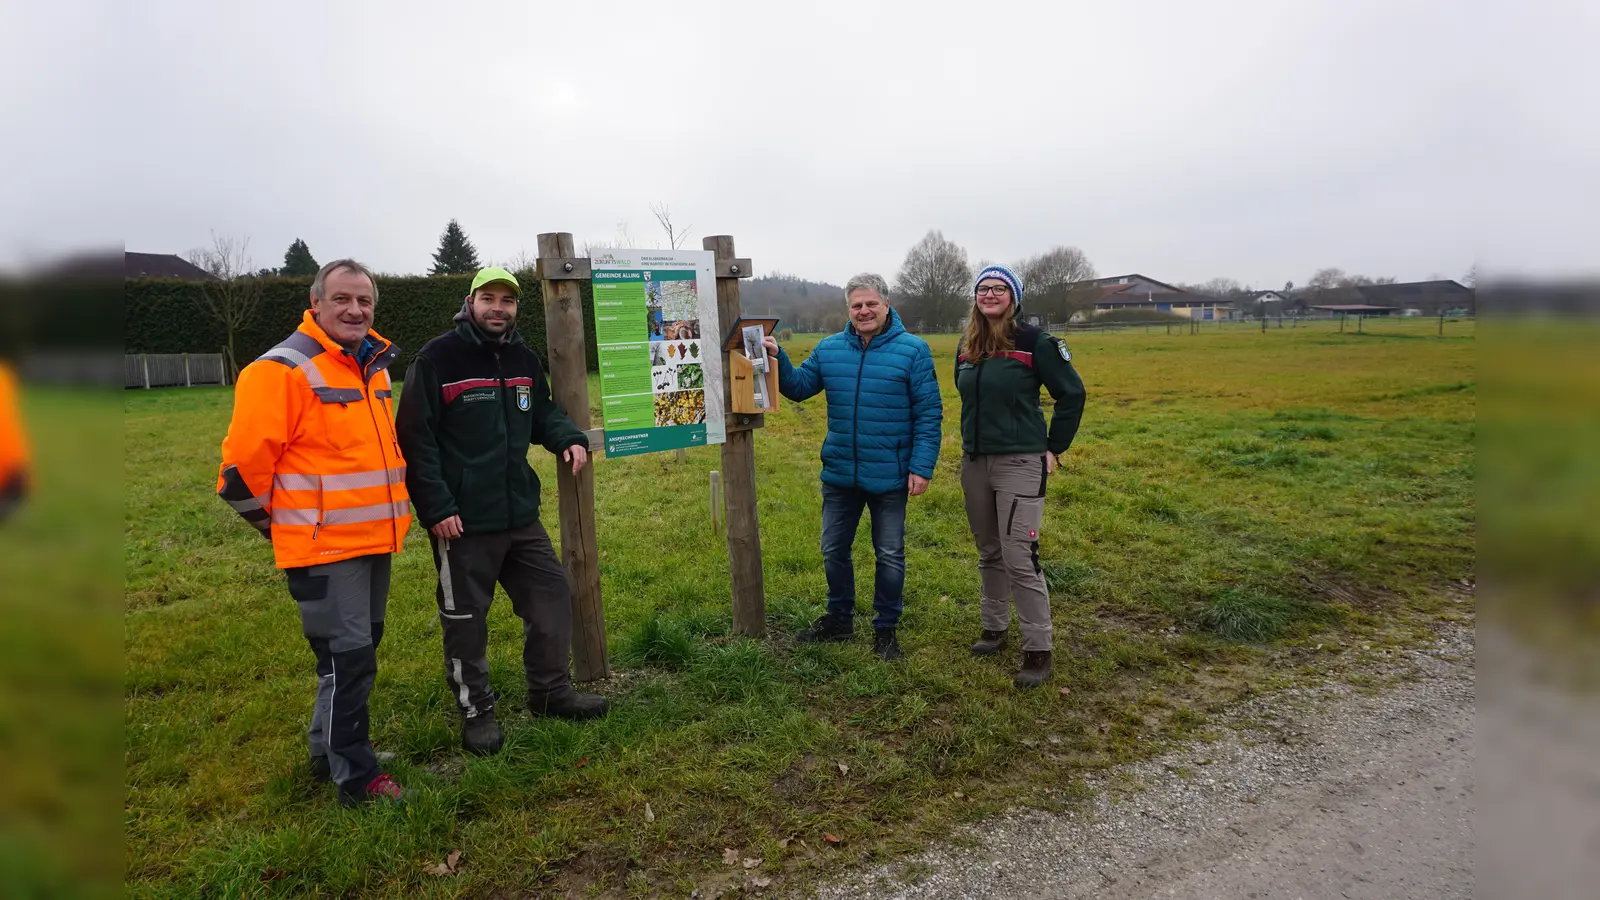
999, 290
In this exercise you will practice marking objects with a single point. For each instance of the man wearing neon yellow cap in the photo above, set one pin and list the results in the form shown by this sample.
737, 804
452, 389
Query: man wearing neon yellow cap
473, 402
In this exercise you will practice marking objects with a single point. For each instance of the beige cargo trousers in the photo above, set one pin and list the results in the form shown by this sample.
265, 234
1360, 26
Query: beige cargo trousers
1005, 506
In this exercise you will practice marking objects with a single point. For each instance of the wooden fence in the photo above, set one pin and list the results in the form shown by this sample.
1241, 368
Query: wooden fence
153, 370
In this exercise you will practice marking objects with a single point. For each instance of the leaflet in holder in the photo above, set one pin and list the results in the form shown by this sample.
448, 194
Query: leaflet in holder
753, 375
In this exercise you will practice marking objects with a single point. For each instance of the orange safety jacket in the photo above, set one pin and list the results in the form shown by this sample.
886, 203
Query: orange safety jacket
311, 457
14, 461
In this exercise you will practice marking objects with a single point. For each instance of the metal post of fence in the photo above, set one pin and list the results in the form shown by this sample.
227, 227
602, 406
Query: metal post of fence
188, 381
144, 360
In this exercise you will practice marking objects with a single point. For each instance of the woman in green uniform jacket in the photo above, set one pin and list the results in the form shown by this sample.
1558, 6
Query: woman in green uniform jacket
1007, 457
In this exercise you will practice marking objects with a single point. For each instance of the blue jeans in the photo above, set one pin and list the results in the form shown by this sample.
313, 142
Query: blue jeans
841, 513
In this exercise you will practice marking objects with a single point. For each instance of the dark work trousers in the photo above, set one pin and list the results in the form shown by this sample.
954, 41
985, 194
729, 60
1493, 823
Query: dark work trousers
526, 565
341, 612
1005, 506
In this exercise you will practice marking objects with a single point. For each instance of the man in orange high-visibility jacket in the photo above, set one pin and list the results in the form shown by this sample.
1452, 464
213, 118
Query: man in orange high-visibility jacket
14, 463
311, 460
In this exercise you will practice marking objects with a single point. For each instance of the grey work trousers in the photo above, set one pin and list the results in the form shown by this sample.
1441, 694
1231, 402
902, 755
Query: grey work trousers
342, 608
1004, 495
524, 562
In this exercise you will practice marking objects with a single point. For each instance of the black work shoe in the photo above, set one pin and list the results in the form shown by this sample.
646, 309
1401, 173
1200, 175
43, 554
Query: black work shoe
480, 735
886, 645
320, 771
1035, 669
828, 628
568, 704
382, 789
989, 642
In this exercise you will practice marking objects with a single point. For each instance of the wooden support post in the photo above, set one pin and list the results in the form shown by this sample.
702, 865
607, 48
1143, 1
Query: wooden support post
739, 478
1341, 323
1361, 319
187, 380
144, 360
1441, 321
716, 501
569, 381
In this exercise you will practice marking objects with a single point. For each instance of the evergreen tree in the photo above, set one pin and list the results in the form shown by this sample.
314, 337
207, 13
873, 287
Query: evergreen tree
297, 260
456, 255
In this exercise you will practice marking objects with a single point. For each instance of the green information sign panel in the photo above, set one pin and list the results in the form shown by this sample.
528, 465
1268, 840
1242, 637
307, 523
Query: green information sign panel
655, 314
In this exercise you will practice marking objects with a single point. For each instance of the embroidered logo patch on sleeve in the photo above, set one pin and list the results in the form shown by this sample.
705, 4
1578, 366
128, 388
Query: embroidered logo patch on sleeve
1062, 346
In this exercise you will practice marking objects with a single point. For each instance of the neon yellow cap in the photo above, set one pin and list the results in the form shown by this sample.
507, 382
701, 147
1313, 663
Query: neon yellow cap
493, 274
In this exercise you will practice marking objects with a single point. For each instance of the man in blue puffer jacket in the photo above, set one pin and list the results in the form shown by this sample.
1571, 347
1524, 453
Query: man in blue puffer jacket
884, 415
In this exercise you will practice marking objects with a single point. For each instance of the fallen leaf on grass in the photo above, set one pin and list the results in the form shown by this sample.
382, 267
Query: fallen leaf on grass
1054, 738
649, 814
844, 769
751, 863
581, 763
1029, 742
830, 838
1064, 691
958, 795
269, 875
448, 867
785, 843
937, 721
730, 857
761, 881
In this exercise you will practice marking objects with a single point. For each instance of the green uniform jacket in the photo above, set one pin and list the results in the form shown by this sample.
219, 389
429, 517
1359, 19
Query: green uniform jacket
1000, 410
469, 410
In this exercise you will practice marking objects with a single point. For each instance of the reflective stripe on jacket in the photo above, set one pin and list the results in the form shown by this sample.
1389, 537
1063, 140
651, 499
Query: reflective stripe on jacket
14, 462
311, 458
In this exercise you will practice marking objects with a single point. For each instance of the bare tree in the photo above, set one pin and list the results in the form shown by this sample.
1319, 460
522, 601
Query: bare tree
1221, 287
521, 263
664, 216
1053, 281
1323, 279
621, 240
935, 282
233, 298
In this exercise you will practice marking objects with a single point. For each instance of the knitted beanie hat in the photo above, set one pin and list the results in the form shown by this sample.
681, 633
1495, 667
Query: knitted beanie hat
1006, 275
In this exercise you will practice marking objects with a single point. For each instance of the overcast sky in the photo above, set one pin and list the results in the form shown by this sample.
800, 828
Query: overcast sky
1256, 140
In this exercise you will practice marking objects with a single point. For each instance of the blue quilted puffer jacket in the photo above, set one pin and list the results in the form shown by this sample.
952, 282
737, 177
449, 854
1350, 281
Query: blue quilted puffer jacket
884, 411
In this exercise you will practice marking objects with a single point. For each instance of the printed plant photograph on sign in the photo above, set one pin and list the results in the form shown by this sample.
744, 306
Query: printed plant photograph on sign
680, 408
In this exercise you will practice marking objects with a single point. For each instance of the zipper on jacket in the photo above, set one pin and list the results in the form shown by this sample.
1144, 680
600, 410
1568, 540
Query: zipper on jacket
505, 415
366, 393
855, 424
977, 409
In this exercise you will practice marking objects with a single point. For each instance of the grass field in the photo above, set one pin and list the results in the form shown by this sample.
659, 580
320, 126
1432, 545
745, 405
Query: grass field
1238, 506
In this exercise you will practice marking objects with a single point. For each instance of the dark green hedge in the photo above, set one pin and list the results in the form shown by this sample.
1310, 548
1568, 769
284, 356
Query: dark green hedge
164, 315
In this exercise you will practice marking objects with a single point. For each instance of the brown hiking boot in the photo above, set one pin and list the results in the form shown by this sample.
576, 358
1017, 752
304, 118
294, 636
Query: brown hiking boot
1035, 669
989, 642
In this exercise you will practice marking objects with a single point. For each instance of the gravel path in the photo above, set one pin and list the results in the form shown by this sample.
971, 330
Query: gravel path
1316, 793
